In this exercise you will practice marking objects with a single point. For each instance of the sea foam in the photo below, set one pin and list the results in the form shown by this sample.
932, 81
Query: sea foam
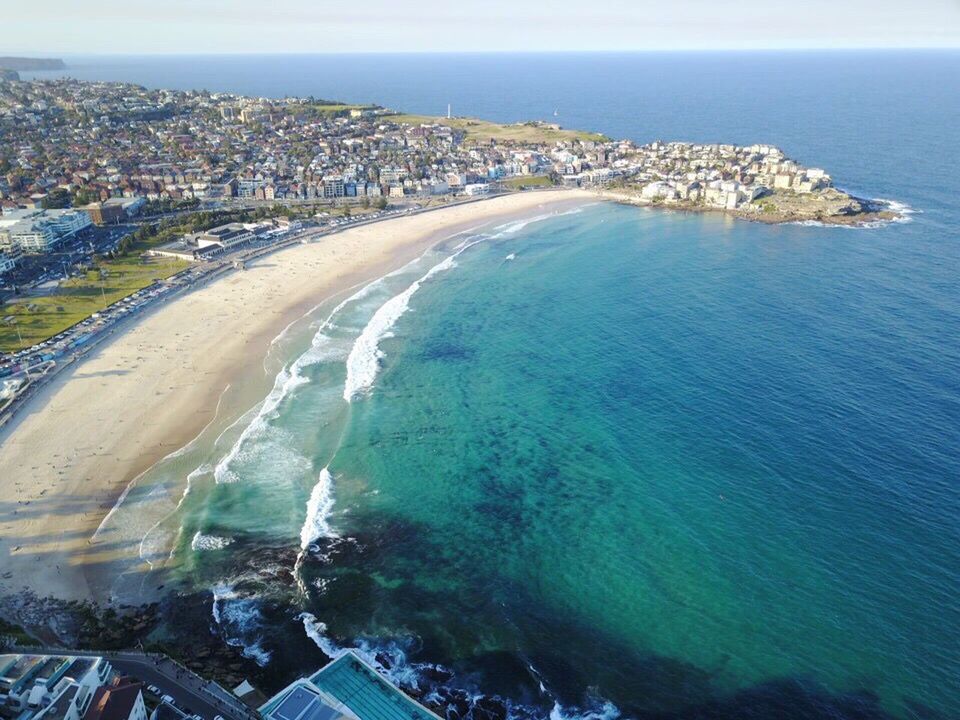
238, 618
286, 381
391, 659
315, 526
363, 363
209, 542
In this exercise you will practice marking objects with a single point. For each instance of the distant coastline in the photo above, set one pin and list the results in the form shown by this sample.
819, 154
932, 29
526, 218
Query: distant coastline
24, 63
10, 67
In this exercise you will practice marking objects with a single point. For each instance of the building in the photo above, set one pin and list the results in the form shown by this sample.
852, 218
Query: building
104, 213
39, 231
226, 236
121, 700
7, 263
205, 245
346, 688
185, 249
50, 687
333, 186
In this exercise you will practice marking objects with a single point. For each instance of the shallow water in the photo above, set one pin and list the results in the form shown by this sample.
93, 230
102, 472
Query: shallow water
627, 461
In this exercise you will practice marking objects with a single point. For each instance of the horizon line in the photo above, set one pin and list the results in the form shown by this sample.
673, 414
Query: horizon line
626, 51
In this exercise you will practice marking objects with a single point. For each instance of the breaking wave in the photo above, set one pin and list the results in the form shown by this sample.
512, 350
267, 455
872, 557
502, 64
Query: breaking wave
391, 659
238, 619
903, 211
209, 542
316, 526
364, 360
288, 379
904, 214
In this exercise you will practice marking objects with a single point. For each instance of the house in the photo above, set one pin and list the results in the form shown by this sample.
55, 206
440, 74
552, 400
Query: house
122, 700
50, 687
7, 263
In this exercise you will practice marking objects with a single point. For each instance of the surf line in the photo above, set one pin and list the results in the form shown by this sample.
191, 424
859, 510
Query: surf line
363, 365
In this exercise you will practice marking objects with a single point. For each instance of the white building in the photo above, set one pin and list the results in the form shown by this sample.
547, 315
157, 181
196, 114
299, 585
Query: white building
7, 263
333, 186
657, 190
226, 236
51, 687
39, 231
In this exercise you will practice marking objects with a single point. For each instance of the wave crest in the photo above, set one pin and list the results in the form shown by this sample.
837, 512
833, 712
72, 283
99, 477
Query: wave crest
316, 526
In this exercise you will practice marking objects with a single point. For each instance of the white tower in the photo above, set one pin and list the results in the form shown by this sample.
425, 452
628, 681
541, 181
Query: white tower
448, 111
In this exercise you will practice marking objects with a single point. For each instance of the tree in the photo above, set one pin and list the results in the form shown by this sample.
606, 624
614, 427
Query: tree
82, 197
381, 203
58, 198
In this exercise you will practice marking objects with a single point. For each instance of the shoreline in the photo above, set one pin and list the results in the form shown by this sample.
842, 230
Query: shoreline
154, 386
893, 212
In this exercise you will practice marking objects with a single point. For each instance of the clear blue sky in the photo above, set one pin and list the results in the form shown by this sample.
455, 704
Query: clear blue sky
277, 26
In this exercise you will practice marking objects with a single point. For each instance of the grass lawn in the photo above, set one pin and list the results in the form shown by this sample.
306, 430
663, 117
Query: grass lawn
78, 298
527, 181
329, 109
482, 130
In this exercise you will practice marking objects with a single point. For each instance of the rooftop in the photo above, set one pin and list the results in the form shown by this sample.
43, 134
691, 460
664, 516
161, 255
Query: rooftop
348, 686
114, 702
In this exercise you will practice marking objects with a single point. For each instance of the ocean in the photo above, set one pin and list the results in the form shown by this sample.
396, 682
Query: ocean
613, 461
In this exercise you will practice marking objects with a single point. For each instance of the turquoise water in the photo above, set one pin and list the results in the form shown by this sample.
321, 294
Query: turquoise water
616, 459
660, 465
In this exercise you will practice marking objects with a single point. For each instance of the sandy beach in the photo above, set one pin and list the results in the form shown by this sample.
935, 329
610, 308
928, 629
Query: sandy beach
67, 457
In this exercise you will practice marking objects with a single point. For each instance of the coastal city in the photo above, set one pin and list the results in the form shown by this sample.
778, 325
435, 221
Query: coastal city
174, 147
187, 537
301, 164
151, 686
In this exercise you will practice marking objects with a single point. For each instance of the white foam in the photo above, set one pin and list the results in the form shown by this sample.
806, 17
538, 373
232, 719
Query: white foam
363, 364
516, 226
406, 674
287, 380
400, 671
317, 631
512, 256
238, 617
316, 526
209, 542
606, 711
902, 210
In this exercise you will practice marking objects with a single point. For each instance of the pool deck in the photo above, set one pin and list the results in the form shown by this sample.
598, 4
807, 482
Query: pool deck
346, 687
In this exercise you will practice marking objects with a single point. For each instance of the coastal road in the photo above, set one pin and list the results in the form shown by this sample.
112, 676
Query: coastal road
184, 686
191, 693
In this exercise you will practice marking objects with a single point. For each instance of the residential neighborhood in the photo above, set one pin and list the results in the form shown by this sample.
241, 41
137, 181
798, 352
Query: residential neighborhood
176, 150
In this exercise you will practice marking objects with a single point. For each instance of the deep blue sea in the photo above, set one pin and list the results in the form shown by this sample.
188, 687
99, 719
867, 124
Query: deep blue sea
621, 461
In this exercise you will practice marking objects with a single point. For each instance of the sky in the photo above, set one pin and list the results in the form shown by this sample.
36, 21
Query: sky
63, 27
